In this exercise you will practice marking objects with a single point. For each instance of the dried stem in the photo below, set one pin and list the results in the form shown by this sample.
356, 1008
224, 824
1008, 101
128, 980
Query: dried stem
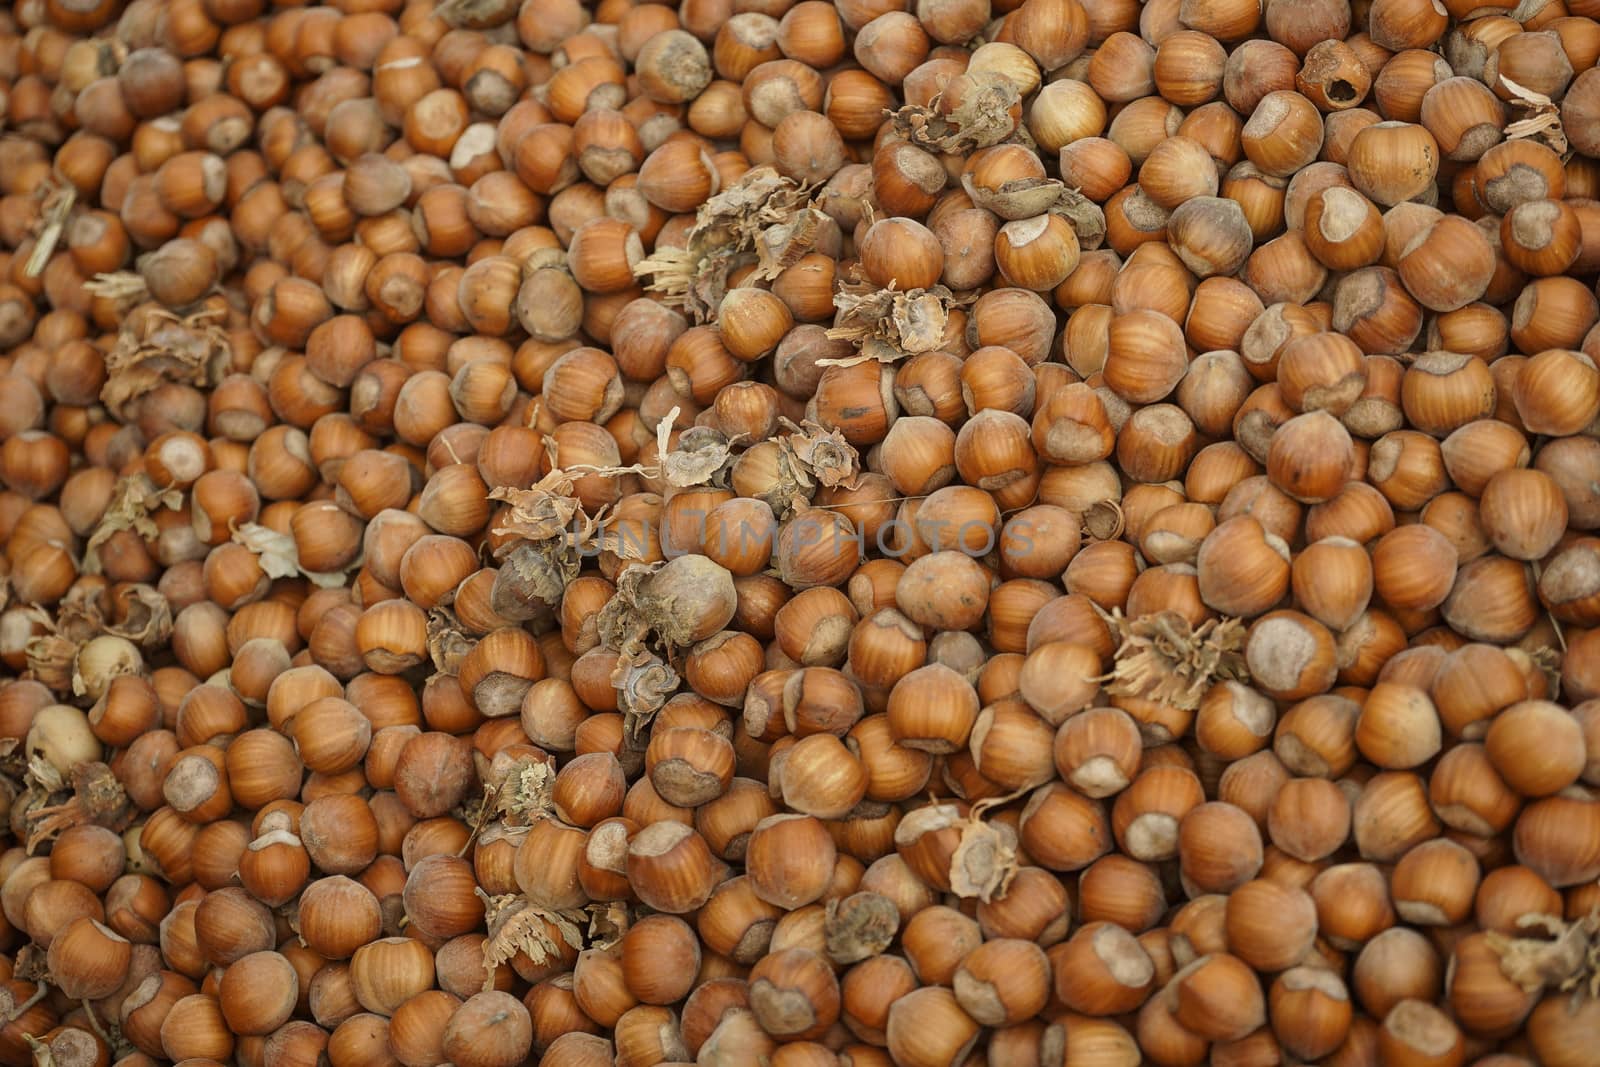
22, 1009
485, 813
111, 1034
1555, 623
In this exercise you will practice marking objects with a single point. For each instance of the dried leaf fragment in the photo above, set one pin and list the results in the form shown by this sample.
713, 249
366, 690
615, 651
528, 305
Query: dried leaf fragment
57, 209
118, 285
280, 558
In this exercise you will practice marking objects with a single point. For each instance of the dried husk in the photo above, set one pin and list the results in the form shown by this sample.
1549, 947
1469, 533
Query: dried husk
448, 644
629, 625
545, 511
889, 325
859, 927
516, 926
763, 218
644, 683
90, 793
983, 118
544, 536
792, 487
50, 657
1104, 521
1020, 198
475, 14
532, 577
549, 512
1161, 658
30, 964
622, 623
101, 659
146, 616
608, 921
1547, 661
1087, 218
819, 455
192, 350
702, 457
80, 615
649, 617
133, 500
985, 861
1542, 118
985, 858
1558, 954
520, 789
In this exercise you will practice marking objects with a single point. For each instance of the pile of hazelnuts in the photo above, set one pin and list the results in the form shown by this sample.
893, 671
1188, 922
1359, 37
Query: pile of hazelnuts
799, 533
